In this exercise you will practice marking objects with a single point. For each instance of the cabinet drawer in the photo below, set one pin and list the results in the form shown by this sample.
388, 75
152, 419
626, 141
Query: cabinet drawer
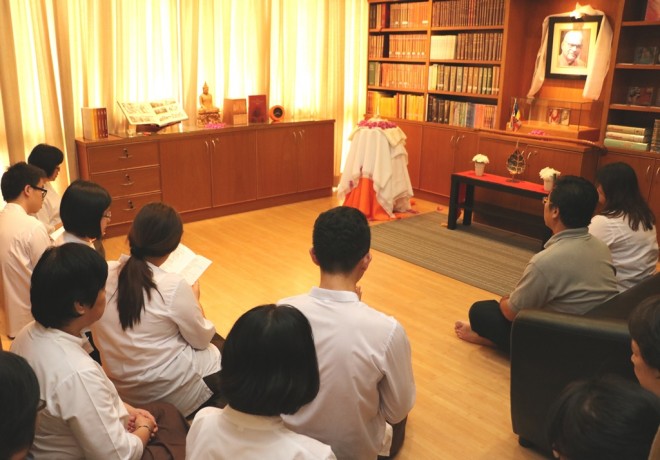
130, 181
114, 157
125, 209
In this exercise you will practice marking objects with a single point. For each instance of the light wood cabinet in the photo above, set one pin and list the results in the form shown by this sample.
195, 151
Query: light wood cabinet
294, 159
130, 171
208, 173
186, 172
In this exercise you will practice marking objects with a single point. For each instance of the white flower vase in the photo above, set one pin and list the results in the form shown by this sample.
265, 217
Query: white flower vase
479, 168
548, 184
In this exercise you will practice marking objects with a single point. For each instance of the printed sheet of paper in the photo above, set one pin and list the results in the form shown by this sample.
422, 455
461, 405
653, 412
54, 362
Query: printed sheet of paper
185, 262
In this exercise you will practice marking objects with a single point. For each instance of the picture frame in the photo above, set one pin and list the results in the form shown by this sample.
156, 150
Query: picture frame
571, 44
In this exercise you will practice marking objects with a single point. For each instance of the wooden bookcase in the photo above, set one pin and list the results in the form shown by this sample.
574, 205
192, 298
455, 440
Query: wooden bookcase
401, 37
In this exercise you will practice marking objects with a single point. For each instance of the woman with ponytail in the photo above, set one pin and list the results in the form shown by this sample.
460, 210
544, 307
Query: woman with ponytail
154, 340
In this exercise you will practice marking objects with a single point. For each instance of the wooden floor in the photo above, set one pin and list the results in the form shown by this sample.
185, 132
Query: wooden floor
462, 409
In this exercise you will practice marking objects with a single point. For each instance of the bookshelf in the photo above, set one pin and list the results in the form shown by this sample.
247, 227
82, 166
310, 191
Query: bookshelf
436, 61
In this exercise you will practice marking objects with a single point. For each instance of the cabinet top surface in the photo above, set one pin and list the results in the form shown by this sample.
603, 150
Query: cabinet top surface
192, 130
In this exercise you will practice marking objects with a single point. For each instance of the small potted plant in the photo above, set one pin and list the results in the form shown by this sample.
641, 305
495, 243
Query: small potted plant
480, 162
549, 175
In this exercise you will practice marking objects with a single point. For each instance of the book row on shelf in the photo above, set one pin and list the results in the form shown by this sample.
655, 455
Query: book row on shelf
408, 46
633, 137
400, 105
439, 110
459, 113
398, 76
464, 79
451, 13
399, 15
484, 46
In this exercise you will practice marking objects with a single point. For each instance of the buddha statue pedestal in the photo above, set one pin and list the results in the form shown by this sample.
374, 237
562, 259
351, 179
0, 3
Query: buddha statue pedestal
205, 118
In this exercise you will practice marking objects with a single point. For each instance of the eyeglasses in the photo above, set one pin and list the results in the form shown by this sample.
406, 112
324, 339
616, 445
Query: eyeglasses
43, 190
545, 199
108, 215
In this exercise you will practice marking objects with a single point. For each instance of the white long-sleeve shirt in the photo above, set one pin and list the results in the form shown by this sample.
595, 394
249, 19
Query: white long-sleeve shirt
23, 239
227, 434
634, 254
366, 374
167, 354
84, 417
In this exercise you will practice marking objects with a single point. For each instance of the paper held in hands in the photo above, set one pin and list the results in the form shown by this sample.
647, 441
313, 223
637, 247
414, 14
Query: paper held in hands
186, 263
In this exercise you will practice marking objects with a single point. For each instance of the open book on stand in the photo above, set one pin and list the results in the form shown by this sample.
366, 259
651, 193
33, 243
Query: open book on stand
186, 263
159, 113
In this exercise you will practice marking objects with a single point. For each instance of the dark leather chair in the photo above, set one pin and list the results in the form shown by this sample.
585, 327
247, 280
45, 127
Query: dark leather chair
549, 350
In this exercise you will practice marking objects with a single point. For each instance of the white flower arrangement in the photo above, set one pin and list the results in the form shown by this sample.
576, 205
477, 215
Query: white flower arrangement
548, 173
480, 158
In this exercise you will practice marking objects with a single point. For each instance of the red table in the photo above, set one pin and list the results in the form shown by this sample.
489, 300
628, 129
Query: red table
463, 184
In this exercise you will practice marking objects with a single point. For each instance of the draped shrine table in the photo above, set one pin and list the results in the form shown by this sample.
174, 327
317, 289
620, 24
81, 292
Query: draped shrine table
375, 179
462, 192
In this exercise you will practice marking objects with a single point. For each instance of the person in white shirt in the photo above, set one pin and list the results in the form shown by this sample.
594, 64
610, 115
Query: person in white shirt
49, 158
85, 213
154, 340
269, 367
364, 356
626, 224
19, 400
22, 241
84, 416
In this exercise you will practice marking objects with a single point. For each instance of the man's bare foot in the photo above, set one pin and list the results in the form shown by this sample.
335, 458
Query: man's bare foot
464, 332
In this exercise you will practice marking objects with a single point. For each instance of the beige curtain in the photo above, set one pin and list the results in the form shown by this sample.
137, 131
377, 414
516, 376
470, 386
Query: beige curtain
58, 56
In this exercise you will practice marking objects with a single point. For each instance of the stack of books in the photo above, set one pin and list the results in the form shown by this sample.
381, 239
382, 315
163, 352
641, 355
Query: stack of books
655, 137
627, 137
94, 122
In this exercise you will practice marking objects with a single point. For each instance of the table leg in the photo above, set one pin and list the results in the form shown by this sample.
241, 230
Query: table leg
453, 203
468, 205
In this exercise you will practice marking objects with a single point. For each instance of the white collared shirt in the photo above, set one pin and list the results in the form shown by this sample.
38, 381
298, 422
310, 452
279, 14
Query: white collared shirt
167, 354
23, 239
220, 434
67, 237
84, 417
634, 253
366, 374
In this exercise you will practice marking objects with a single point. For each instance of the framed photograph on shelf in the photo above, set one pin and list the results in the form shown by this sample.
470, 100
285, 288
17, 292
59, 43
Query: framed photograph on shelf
571, 44
554, 115
565, 117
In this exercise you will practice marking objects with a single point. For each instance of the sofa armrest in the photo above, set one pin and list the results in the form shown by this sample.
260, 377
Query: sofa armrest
550, 350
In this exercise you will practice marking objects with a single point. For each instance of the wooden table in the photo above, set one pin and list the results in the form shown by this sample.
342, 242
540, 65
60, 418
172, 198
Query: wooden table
469, 180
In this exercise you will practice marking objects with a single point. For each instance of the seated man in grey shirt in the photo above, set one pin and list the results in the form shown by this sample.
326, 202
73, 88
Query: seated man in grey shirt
573, 274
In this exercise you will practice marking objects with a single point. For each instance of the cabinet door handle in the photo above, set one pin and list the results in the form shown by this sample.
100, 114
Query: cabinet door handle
302, 134
295, 136
458, 139
213, 143
131, 206
451, 141
125, 155
657, 172
128, 181
648, 169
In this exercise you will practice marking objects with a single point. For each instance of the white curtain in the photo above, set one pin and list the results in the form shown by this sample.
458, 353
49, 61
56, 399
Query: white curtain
58, 56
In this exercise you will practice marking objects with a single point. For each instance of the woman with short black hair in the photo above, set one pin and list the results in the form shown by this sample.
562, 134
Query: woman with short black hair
269, 367
84, 416
607, 418
49, 158
85, 213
